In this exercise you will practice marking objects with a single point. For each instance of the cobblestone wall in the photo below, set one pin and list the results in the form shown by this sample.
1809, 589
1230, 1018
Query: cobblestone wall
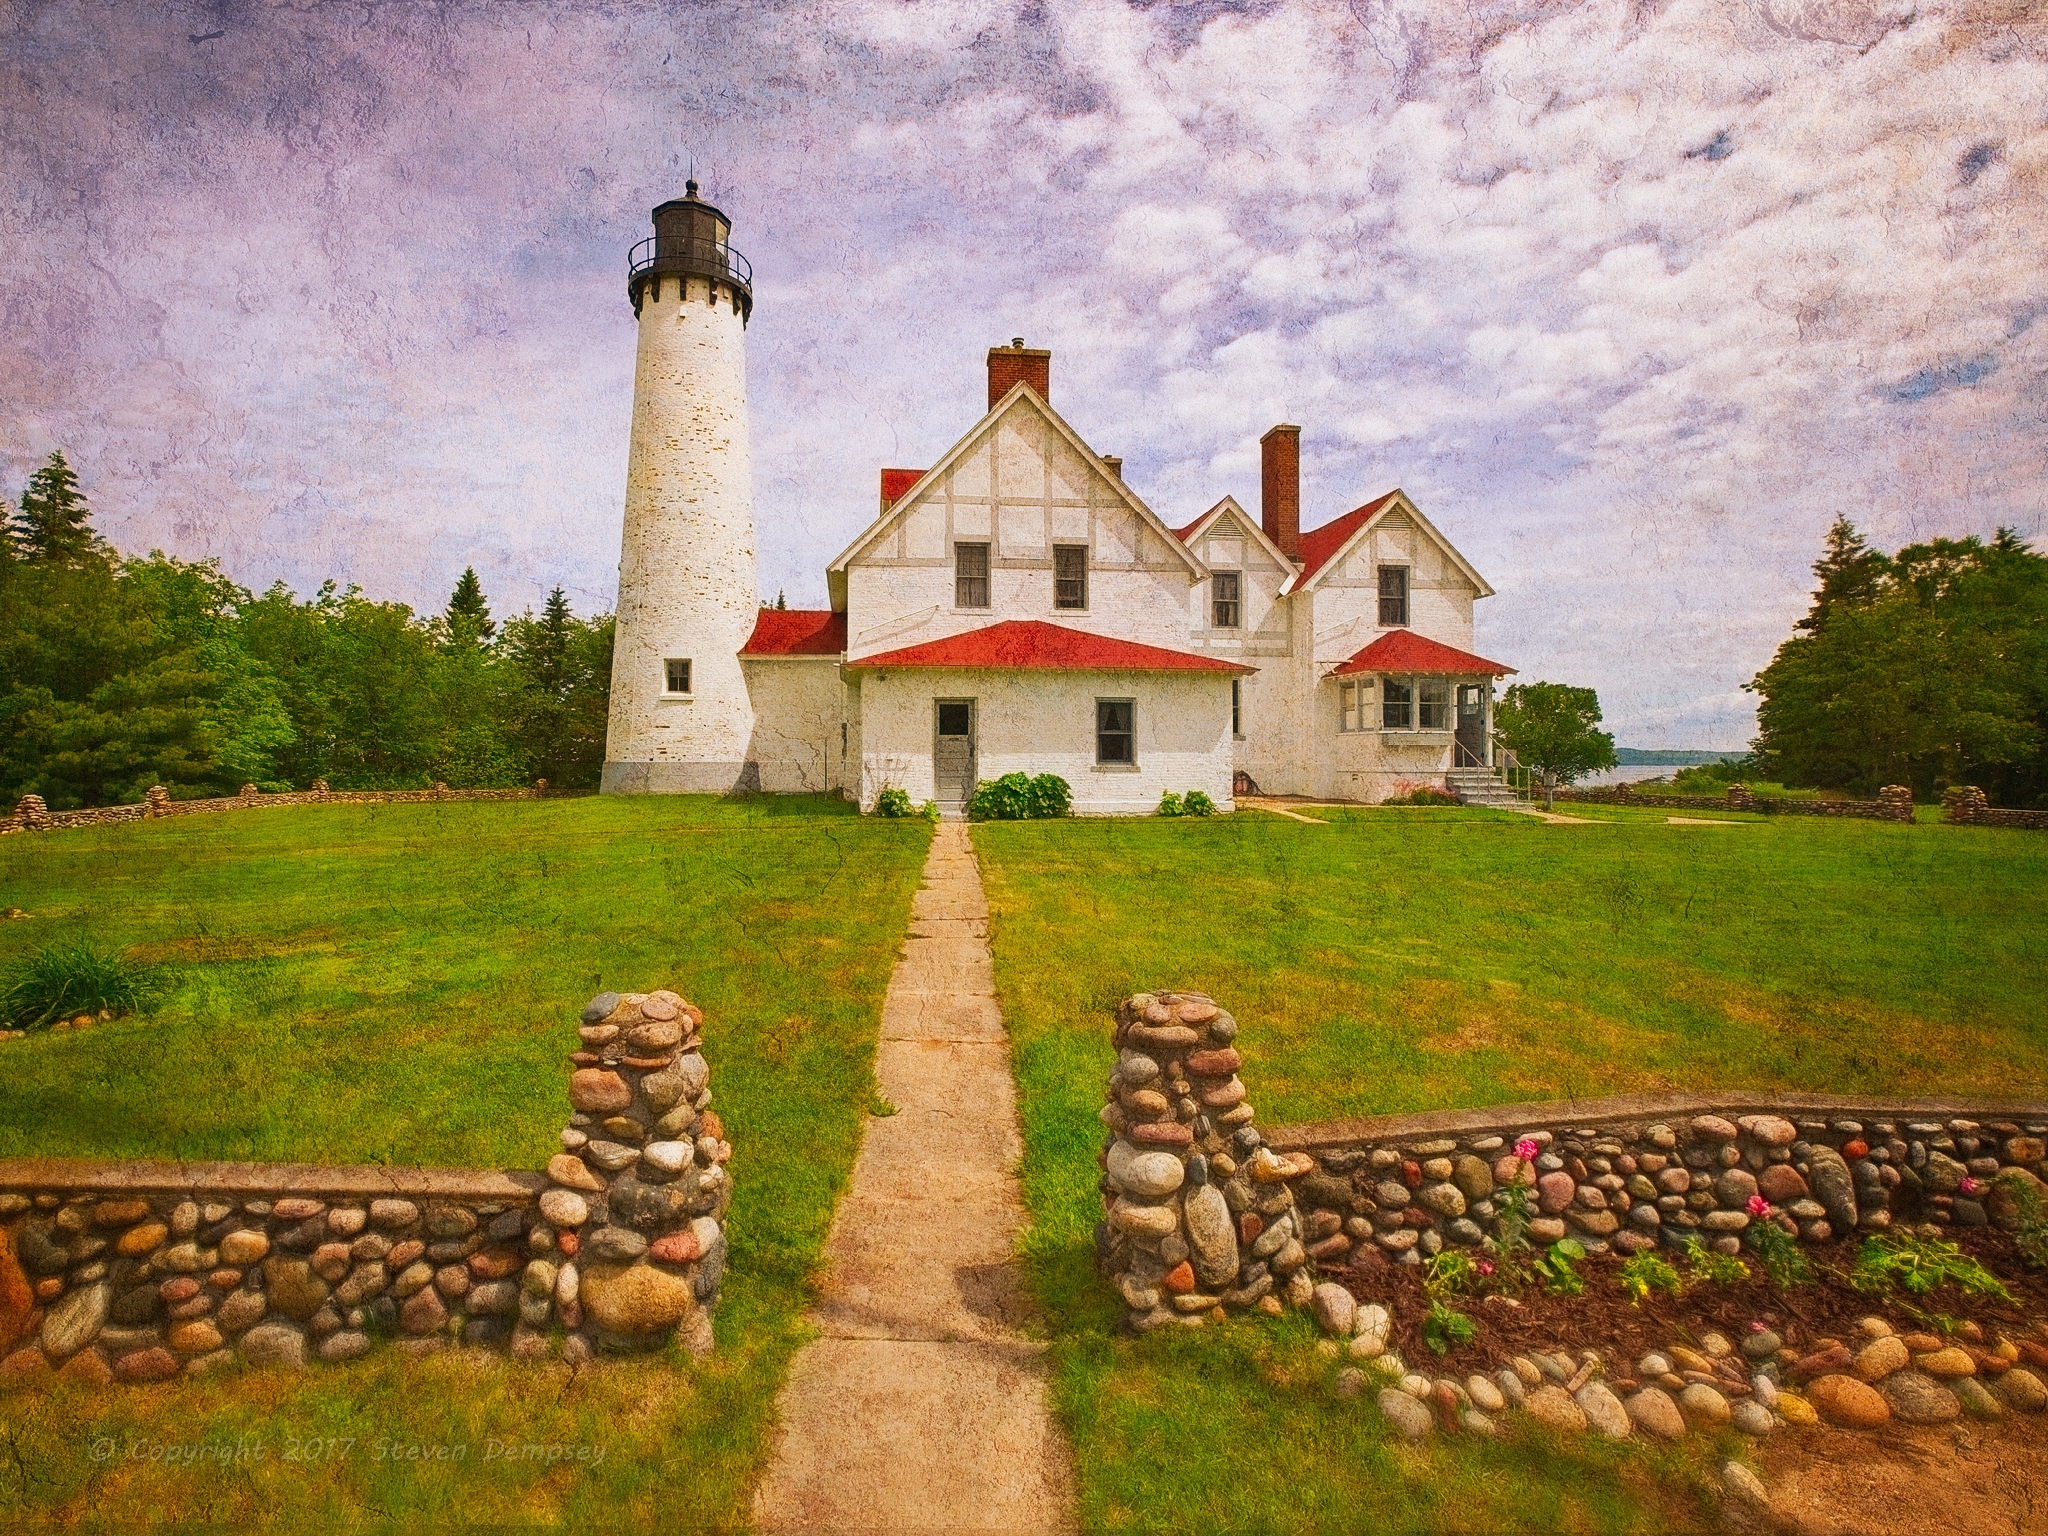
1205, 1211
142, 1271
32, 815
1965, 803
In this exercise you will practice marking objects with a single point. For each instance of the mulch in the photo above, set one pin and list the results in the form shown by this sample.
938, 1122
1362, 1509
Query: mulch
1603, 1318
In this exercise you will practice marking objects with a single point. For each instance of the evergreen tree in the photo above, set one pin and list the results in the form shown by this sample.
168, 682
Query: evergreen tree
469, 615
53, 525
1849, 571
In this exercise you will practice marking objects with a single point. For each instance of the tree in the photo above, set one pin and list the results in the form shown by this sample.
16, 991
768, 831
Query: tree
1850, 572
1550, 726
565, 668
469, 616
53, 525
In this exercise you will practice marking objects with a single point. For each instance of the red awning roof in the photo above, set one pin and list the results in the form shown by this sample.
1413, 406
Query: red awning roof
1027, 645
1319, 544
796, 632
896, 484
1403, 650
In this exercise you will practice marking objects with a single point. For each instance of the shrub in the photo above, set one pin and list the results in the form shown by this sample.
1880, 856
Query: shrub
1444, 1276
1019, 797
1919, 1265
930, 811
1555, 1269
2031, 1235
893, 802
1646, 1272
1171, 804
1715, 1268
1407, 792
1780, 1254
61, 980
1050, 796
1195, 803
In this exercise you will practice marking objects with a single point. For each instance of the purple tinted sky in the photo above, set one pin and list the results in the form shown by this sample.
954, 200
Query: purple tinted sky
1632, 298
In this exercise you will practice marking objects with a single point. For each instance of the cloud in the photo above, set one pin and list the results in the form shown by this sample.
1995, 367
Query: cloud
1632, 299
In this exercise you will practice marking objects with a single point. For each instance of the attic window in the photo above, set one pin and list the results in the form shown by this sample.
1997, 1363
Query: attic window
1070, 575
1393, 596
1224, 589
970, 576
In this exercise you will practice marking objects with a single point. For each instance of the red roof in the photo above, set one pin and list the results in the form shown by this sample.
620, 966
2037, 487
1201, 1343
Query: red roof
896, 484
796, 632
1319, 544
1027, 645
1402, 650
1182, 533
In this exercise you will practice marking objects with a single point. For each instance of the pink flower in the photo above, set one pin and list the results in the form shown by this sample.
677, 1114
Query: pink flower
1485, 1267
1759, 1206
1756, 1325
1970, 1186
1526, 1149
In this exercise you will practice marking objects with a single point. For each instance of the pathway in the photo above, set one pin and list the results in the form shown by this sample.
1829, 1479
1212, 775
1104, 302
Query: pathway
921, 1407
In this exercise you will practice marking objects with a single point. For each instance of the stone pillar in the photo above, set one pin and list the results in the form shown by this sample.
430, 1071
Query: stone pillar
639, 1190
249, 792
440, 790
1897, 802
540, 787
1740, 798
33, 815
1199, 1217
155, 800
320, 790
1963, 803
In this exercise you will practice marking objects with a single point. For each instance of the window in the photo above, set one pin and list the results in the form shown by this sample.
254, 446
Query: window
1394, 596
955, 719
677, 675
1397, 706
970, 575
1237, 706
1114, 740
1070, 575
1471, 700
1435, 714
1227, 611
1357, 706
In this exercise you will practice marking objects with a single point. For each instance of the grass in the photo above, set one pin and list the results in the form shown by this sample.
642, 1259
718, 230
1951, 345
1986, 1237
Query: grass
400, 984
1402, 959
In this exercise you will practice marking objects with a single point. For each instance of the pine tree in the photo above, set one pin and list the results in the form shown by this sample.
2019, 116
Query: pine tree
469, 614
1850, 573
781, 602
53, 525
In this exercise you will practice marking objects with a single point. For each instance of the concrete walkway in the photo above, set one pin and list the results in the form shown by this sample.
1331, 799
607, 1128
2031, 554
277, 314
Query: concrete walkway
922, 1407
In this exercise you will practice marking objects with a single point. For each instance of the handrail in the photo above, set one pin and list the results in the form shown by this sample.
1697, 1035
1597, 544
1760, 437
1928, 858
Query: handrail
712, 256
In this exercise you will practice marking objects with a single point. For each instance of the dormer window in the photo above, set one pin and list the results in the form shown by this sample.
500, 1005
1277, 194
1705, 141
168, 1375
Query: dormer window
1393, 596
1227, 608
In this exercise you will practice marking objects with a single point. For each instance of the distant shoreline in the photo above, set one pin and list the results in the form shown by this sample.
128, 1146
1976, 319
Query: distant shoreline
1633, 757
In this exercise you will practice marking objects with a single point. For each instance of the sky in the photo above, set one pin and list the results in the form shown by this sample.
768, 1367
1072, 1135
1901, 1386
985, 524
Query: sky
1631, 298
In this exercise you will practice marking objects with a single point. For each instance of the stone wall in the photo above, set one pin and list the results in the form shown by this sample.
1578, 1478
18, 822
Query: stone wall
142, 1271
1204, 1211
32, 815
1893, 803
1967, 804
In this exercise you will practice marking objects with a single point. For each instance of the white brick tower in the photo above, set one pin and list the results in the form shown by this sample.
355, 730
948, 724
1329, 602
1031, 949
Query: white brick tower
680, 719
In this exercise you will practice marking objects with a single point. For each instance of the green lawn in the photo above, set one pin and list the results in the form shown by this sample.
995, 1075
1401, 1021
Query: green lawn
400, 984
1413, 959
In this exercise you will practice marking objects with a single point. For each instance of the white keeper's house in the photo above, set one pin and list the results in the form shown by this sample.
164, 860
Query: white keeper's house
1015, 607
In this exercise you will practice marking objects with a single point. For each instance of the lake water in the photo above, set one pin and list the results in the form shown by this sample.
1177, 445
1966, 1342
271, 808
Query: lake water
1631, 773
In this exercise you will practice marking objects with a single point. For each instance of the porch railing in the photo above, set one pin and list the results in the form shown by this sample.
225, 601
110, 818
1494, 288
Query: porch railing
1507, 767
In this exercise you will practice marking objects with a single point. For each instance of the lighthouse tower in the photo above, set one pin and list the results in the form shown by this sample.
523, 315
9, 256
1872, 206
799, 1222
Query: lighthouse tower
680, 720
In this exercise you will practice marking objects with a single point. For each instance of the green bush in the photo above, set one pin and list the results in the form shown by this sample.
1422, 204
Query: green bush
59, 981
1919, 1265
1195, 803
1019, 797
1646, 1272
1170, 804
894, 802
1051, 796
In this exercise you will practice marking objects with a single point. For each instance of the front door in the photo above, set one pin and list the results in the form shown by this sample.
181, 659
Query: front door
953, 757
1471, 751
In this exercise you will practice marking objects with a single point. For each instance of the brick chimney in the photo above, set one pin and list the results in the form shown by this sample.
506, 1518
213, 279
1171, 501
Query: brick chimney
1280, 488
1114, 465
1018, 364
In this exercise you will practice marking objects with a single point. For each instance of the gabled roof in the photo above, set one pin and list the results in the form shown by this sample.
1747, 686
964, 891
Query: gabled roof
1229, 505
1020, 397
1323, 547
1030, 645
1402, 650
797, 632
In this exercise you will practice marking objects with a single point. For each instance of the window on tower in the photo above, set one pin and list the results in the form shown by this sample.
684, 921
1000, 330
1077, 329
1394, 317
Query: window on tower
677, 675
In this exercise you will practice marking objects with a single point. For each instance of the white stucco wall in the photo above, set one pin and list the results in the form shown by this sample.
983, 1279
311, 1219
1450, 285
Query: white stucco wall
1044, 722
803, 736
1021, 488
686, 563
